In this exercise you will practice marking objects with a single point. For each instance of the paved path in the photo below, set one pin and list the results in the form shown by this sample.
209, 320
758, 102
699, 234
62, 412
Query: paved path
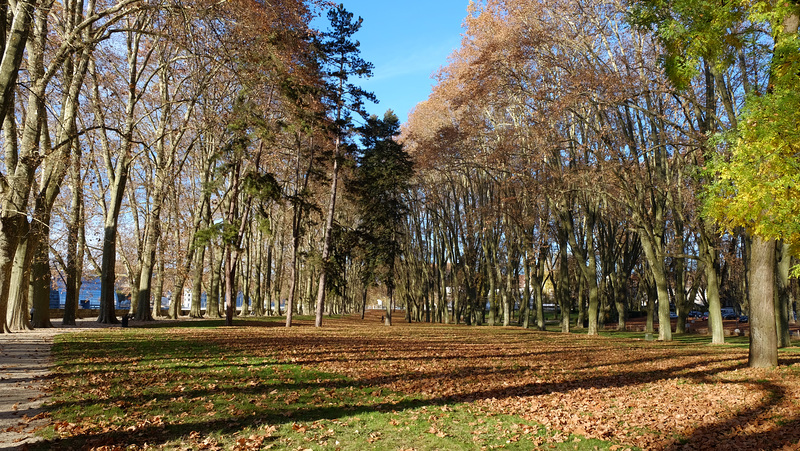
24, 365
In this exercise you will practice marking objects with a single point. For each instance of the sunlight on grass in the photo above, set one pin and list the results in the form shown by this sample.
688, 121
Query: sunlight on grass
179, 387
355, 384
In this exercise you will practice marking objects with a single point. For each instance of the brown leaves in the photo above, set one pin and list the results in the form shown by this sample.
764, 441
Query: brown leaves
436, 431
635, 393
631, 392
374, 437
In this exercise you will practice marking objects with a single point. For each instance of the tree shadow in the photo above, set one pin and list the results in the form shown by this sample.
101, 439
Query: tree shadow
728, 433
732, 433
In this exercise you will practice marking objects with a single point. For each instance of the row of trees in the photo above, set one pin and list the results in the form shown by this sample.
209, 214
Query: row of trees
595, 147
161, 145
582, 154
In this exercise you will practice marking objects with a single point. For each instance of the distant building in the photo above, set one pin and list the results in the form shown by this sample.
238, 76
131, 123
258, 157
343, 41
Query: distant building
88, 298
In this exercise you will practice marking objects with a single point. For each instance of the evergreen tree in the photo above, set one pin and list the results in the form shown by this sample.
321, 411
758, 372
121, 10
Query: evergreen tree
381, 183
341, 60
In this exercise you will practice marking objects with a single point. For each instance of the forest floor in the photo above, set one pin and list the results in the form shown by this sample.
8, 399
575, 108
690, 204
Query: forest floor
355, 384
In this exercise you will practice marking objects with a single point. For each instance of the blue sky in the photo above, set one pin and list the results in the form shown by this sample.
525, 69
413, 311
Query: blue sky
407, 42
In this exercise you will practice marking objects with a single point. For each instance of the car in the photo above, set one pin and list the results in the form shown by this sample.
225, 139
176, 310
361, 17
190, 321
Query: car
744, 318
729, 313
705, 315
673, 315
695, 314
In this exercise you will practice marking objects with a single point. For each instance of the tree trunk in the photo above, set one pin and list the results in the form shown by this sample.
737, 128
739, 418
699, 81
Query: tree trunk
621, 300
563, 285
492, 294
782, 295
17, 313
389, 307
763, 334
109, 262
679, 271
656, 264
709, 256
212, 297
143, 311
231, 257
327, 235
652, 296
244, 274
581, 283
15, 42
587, 262
40, 285
196, 307
159, 291
256, 290
74, 269
528, 293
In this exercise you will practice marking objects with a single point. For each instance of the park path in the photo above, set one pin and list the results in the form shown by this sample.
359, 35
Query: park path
25, 362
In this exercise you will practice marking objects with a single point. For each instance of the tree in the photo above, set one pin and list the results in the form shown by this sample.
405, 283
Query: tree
30, 147
756, 186
381, 184
341, 60
753, 185
118, 169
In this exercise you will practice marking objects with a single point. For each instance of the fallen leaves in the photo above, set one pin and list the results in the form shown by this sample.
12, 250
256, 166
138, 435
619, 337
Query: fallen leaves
634, 393
637, 393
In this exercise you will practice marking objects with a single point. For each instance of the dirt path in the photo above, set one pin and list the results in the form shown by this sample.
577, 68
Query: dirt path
24, 365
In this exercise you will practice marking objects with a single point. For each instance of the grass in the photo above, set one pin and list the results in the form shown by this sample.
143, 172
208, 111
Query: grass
356, 384
190, 387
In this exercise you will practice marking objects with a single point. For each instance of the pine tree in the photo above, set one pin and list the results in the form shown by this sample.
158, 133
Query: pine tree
341, 60
381, 185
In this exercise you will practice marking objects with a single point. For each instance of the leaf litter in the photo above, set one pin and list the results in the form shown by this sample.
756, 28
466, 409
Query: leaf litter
635, 393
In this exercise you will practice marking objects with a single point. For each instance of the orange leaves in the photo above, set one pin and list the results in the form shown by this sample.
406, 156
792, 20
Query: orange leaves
66, 428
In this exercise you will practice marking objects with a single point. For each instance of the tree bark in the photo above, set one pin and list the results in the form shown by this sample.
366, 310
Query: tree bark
196, 307
326, 238
15, 40
763, 334
158, 294
40, 285
212, 296
74, 269
17, 315
656, 263
709, 255
782, 295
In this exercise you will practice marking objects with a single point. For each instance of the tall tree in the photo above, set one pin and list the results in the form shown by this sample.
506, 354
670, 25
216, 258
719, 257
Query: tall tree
754, 185
341, 60
381, 186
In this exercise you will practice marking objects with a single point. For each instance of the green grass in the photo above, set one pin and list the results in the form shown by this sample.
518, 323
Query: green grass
184, 388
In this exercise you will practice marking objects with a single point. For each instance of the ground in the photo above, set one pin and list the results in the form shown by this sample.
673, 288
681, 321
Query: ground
258, 385
24, 367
